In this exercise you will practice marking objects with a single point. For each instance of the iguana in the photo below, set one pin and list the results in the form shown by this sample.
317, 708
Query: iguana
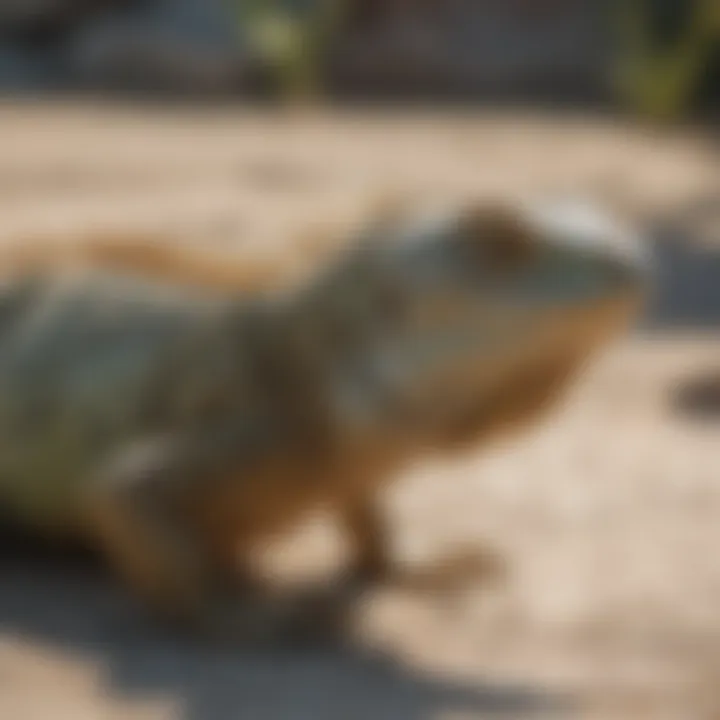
176, 428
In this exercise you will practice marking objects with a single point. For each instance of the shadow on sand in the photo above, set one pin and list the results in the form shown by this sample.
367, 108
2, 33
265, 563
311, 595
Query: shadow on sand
687, 298
687, 273
78, 609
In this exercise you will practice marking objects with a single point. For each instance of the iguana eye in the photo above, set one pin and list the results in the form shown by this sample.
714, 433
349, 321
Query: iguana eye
496, 237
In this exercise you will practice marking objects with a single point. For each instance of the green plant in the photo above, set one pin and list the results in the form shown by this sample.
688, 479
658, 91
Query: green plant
291, 40
660, 80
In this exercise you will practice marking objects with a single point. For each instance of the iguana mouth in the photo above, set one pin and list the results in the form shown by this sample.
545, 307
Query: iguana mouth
518, 400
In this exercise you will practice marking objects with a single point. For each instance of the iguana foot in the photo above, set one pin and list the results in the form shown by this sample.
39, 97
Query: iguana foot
451, 573
307, 619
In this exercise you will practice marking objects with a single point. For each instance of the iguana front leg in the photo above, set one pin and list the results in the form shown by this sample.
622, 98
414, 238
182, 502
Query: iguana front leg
139, 515
371, 561
366, 530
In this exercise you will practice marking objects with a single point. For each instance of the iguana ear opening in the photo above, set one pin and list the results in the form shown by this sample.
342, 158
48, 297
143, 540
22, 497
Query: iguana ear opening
499, 236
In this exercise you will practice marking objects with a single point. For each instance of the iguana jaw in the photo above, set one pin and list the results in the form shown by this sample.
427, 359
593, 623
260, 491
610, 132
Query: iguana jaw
416, 400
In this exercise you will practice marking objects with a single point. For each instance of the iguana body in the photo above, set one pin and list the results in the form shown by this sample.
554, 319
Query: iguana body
178, 429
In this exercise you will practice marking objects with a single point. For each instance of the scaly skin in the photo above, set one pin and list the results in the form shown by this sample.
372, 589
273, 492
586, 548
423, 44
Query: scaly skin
177, 429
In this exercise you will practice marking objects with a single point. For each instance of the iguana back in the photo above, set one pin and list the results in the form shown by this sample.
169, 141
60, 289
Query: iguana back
85, 365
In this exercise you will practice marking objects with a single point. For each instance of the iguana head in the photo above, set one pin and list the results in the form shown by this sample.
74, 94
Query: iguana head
442, 328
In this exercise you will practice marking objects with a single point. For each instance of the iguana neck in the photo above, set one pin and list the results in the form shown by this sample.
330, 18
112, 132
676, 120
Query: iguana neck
274, 351
323, 339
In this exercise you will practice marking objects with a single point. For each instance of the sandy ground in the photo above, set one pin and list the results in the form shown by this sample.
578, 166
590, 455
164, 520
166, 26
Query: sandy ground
606, 518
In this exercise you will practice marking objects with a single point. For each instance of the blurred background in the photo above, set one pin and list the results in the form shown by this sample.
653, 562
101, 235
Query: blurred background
658, 56
242, 125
